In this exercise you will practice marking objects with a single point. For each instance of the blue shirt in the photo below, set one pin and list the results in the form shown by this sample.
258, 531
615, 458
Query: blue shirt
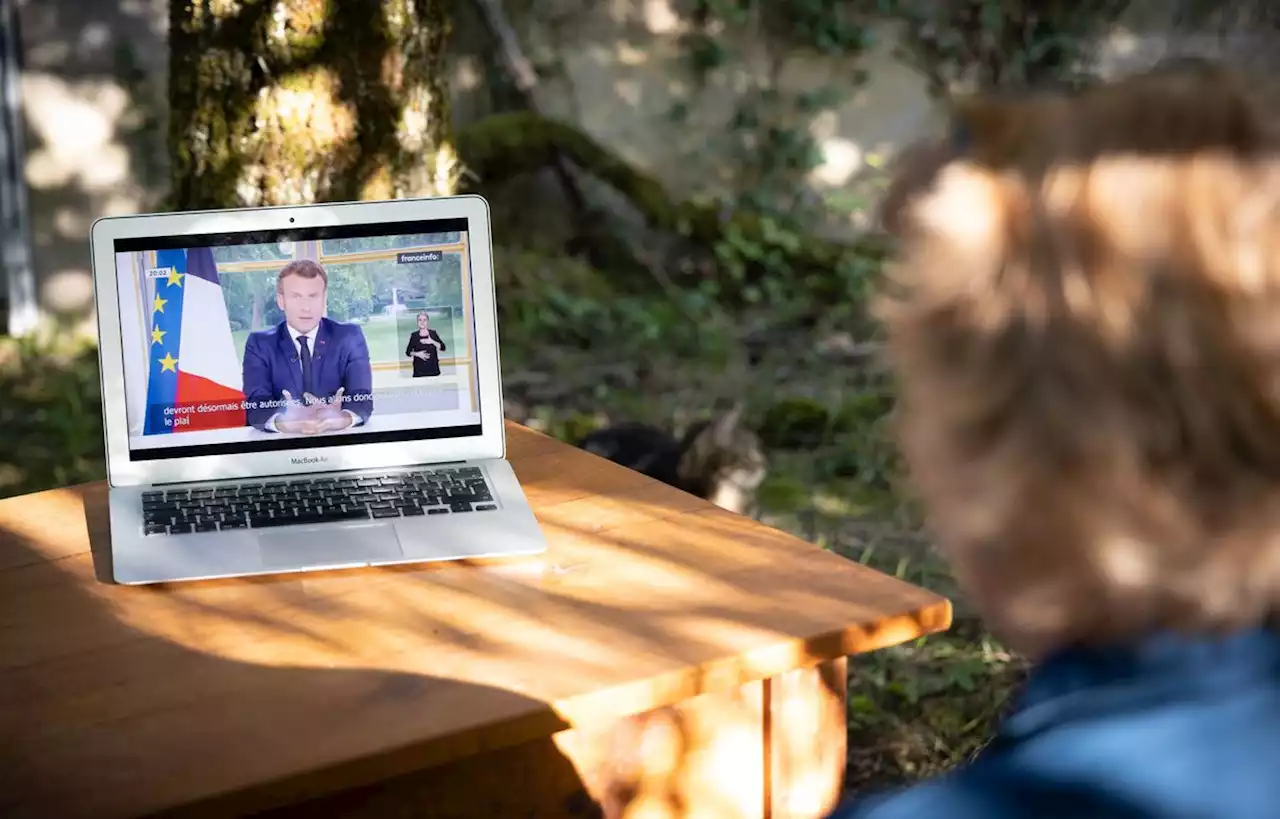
1175, 728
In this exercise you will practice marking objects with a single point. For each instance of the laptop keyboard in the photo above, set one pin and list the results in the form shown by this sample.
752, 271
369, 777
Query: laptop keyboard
315, 500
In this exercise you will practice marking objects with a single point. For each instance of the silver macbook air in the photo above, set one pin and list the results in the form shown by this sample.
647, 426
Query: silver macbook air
301, 388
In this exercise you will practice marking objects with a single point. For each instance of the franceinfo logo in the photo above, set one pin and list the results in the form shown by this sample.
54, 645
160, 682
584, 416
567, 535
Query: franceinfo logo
419, 256
308, 459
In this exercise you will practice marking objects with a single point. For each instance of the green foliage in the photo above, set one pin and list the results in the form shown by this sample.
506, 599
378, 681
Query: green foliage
984, 44
797, 423
563, 317
350, 294
978, 43
335, 247
51, 419
250, 296
769, 141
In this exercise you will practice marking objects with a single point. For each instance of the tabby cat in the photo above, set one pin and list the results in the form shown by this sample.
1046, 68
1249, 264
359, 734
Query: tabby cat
718, 459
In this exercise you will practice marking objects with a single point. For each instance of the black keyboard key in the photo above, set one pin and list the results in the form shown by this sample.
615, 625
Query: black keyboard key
469, 472
261, 521
455, 506
207, 526
485, 507
386, 513
410, 511
156, 529
350, 512
235, 523
439, 510
180, 529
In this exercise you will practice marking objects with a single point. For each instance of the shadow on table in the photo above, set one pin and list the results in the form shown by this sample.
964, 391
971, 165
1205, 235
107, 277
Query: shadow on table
769, 589
68, 681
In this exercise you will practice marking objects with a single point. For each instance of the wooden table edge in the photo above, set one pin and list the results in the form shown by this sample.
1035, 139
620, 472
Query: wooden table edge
567, 715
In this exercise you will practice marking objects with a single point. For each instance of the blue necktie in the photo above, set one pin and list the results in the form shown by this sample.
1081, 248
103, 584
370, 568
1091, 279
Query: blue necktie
305, 354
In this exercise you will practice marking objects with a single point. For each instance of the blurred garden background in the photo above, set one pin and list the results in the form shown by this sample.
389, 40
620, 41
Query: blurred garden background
681, 192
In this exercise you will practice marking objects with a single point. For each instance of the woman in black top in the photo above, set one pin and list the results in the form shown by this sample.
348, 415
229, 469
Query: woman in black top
425, 346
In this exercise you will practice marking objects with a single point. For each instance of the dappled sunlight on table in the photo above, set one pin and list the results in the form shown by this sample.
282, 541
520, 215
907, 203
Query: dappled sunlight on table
652, 613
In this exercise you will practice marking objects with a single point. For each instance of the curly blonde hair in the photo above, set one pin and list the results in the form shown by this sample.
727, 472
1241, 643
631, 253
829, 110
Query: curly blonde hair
1084, 317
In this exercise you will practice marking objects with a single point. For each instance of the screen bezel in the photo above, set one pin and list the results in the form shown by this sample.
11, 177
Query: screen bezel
124, 471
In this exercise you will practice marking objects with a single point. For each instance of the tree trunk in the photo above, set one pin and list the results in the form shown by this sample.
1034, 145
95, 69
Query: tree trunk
294, 101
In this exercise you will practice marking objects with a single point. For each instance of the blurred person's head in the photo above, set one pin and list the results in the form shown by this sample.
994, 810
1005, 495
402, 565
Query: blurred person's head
1085, 320
423, 321
300, 294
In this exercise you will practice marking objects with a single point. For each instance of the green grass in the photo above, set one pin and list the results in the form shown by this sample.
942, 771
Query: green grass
387, 338
578, 355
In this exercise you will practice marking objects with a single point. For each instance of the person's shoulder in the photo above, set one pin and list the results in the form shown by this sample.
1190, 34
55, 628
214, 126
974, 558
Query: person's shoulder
265, 336
952, 796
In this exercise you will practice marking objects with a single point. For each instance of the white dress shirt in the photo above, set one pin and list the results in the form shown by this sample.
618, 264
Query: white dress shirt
297, 348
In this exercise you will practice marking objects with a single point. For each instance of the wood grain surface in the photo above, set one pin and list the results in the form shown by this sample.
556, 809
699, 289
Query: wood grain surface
247, 694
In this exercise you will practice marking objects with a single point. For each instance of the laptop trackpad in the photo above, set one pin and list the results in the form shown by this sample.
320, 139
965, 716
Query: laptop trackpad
329, 546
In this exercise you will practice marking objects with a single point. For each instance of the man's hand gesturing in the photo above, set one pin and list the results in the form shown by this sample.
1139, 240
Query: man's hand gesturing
297, 417
329, 416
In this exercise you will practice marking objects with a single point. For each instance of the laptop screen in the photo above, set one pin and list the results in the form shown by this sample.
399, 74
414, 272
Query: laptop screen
249, 342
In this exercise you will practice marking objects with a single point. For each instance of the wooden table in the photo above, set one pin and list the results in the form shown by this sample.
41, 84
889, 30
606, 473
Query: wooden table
665, 658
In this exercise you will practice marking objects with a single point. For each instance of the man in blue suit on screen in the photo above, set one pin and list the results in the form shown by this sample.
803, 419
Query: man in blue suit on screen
308, 374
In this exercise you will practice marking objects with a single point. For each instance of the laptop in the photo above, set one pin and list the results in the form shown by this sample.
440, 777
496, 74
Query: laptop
301, 388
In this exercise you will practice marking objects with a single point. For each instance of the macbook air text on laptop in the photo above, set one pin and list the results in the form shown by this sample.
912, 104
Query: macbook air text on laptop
301, 388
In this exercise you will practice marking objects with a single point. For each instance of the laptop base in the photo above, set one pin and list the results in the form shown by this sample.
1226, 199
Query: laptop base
509, 530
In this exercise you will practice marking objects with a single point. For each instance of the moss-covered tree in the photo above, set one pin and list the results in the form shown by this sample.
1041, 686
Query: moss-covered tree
293, 101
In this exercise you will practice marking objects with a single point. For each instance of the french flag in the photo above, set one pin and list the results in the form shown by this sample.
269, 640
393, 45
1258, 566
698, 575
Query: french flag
194, 380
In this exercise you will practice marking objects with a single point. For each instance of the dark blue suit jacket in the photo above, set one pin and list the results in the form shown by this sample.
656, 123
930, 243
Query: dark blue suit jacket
1176, 728
341, 359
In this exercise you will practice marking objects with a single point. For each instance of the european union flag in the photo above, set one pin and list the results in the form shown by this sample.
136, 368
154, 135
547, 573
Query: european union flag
166, 341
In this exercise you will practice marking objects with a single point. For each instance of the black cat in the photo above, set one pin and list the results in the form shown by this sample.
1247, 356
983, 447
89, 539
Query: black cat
717, 459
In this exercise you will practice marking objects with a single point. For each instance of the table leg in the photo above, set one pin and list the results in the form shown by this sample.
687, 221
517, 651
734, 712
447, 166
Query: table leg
773, 749
807, 731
